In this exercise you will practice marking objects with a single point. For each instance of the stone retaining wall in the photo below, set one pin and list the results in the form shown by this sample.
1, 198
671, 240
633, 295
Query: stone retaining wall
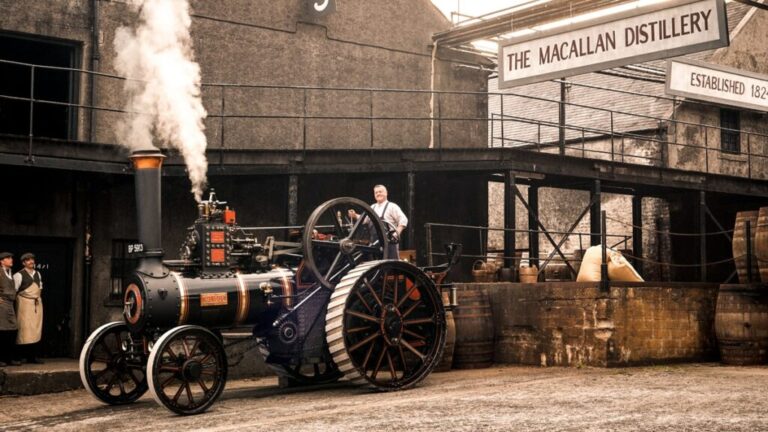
575, 324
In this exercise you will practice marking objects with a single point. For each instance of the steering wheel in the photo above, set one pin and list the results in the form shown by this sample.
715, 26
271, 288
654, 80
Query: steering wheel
336, 240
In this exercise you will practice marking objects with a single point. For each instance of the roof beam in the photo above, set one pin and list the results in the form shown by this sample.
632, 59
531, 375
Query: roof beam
754, 4
517, 20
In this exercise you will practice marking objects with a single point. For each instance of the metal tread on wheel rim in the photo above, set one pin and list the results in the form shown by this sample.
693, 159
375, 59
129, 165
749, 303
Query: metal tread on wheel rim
390, 340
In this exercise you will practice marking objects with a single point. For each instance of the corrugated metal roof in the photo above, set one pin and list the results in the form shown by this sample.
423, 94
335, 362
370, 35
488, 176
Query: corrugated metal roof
736, 12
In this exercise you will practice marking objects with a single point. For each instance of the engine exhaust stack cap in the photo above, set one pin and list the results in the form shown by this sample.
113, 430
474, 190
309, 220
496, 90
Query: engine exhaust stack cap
147, 159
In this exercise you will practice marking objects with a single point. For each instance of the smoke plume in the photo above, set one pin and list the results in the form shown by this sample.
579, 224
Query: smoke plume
163, 85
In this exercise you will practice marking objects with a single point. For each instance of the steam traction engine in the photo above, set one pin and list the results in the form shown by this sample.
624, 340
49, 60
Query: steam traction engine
327, 306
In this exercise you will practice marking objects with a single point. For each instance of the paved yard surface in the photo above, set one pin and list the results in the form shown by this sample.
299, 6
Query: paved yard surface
692, 397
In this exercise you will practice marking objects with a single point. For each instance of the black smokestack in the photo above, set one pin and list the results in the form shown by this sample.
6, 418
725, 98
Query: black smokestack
147, 165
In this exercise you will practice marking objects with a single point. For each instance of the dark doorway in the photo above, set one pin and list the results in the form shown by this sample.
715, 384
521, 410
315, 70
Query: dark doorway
54, 262
19, 80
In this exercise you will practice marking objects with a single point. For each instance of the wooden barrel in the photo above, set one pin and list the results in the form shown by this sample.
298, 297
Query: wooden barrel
740, 245
761, 243
507, 274
529, 274
741, 324
557, 271
446, 361
474, 329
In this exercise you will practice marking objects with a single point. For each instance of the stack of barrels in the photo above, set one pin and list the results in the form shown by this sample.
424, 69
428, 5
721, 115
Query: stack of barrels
741, 316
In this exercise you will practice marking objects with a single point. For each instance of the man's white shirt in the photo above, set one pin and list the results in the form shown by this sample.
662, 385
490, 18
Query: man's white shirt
393, 213
17, 278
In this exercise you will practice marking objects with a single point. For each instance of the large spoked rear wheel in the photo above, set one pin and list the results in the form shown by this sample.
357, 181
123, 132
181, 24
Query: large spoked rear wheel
107, 369
334, 243
385, 325
187, 369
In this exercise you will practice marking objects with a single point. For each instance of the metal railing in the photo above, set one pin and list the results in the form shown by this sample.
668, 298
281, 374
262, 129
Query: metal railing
749, 261
298, 117
613, 241
664, 133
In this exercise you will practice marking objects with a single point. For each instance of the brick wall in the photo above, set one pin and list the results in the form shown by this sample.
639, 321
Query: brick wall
576, 324
559, 207
386, 45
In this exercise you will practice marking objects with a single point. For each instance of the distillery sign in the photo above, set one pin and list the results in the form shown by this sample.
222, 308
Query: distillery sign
719, 84
659, 31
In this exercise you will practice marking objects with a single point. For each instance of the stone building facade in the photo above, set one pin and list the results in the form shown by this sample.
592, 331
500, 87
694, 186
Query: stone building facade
275, 77
624, 115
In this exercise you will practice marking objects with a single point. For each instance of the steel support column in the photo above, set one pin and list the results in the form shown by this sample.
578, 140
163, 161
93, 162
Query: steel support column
563, 239
702, 223
594, 214
411, 209
509, 220
561, 117
293, 200
533, 226
541, 228
604, 284
637, 231
719, 226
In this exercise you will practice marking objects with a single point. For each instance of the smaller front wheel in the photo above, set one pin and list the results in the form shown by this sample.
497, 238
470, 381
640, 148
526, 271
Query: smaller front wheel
108, 370
187, 369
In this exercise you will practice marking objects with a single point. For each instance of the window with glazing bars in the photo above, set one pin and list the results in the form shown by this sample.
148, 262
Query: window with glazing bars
730, 137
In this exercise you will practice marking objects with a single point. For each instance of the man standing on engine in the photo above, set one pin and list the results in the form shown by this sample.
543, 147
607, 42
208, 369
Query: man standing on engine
393, 217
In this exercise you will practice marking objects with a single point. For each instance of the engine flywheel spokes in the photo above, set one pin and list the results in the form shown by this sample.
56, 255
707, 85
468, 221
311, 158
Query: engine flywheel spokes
187, 369
334, 242
386, 325
107, 370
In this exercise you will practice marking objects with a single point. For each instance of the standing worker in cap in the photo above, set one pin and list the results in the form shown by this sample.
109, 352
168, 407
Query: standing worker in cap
29, 308
7, 314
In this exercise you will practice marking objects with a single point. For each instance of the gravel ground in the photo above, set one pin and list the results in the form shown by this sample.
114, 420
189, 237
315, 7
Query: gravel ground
691, 397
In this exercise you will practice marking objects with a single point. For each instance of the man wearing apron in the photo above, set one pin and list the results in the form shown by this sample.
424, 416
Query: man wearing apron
7, 314
29, 308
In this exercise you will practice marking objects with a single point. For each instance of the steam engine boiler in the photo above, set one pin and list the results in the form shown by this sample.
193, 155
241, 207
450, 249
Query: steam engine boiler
323, 304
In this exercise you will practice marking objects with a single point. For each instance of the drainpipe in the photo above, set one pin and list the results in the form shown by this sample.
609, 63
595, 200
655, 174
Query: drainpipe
95, 58
87, 257
432, 99
87, 262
